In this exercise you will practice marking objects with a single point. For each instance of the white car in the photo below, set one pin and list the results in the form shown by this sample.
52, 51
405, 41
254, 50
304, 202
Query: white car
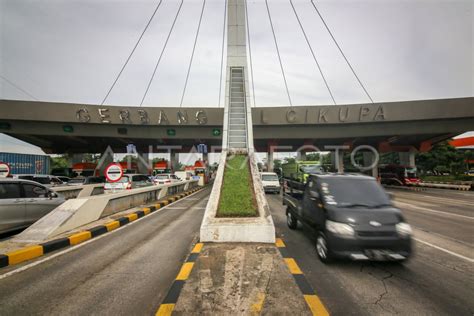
128, 182
270, 182
165, 178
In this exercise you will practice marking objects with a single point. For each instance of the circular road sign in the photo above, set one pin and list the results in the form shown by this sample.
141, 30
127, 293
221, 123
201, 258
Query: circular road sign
113, 172
4, 170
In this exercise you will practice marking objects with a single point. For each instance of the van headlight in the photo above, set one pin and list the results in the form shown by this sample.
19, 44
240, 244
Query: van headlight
403, 229
341, 229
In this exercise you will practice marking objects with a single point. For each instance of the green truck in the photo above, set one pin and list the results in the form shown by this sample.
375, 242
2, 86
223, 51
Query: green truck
300, 170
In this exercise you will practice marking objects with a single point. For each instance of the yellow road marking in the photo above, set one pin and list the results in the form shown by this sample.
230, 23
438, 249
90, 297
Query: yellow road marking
279, 243
24, 254
157, 206
185, 271
132, 217
146, 210
197, 248
316, 306
256, 308
165, 310
79, 237
112, 225
293, 266
165, 202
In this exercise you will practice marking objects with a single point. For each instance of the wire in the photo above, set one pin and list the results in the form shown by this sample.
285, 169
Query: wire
162, 52
312, 52
222, 56
192, 54
278, 53
342, 53
131, 53
250, 52
19, 88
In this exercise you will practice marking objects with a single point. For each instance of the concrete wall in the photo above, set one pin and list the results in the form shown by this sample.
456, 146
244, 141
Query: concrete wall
77, 212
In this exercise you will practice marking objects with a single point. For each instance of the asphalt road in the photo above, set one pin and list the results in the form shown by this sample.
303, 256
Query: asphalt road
125, 272
437, 280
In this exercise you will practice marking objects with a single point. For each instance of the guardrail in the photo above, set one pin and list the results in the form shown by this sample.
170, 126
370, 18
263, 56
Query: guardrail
451, 186
80, 211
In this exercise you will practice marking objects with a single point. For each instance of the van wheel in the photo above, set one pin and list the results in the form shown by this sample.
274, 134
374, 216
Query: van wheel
291, 220
322, 249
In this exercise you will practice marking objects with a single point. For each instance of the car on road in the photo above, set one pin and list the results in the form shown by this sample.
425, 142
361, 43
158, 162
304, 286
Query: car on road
128, 182
351, 215
23, 202
86, 180
47, 180
64, 179
166, 178
270, 182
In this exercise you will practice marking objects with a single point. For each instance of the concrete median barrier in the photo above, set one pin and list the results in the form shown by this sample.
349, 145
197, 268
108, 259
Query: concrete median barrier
80, 211
73, 192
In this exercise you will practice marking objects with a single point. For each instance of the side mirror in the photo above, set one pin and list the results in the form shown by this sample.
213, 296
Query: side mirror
52, 195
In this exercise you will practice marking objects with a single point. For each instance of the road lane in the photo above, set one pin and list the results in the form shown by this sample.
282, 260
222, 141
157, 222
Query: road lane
432, 282
449, 214
127, 272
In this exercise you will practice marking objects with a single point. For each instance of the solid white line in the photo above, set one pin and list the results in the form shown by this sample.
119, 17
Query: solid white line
445, 250
434, 211
31, 265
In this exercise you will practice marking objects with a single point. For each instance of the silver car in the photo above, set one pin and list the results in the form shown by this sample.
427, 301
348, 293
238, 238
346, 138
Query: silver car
128, 182
23, 202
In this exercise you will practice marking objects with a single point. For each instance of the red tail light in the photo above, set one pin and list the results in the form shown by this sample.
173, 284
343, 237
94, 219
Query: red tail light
129, 186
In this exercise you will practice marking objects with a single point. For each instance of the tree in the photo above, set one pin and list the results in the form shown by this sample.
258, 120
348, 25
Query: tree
442, 158
313, 156
60, 162
276, 163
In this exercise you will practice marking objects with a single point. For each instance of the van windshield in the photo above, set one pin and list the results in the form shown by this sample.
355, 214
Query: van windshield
344, 192
269, 177
311, 169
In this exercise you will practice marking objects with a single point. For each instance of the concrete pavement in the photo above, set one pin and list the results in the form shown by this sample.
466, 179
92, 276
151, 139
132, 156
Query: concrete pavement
125, 272
433, 282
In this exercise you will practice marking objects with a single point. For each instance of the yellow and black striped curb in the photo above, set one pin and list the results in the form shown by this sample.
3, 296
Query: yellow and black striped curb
34, 251
314, 303
170, 300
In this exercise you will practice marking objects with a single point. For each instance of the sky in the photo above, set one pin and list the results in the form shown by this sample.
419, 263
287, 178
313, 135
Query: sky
71, 51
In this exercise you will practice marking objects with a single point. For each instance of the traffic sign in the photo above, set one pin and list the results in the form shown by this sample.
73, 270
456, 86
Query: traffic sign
114, 172
4, 170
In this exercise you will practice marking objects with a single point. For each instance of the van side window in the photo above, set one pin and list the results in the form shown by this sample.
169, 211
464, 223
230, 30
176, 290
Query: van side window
9, 191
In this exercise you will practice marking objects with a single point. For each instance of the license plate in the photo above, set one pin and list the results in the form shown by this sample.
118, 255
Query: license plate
377, 254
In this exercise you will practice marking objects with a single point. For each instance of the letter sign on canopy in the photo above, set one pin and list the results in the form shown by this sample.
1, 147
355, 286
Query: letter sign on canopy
4, 170
113, 172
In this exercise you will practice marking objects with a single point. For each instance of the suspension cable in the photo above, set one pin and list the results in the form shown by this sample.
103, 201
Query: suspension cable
222, 55
18, 87
342, 53
192, 54
278, 53
312, 53
131, 53
161, 54
250, 52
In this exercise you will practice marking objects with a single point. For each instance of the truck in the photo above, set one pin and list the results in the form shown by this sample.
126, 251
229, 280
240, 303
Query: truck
350, 215
300, 170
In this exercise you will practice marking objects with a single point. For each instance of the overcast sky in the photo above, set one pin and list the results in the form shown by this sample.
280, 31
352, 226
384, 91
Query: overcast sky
71, 51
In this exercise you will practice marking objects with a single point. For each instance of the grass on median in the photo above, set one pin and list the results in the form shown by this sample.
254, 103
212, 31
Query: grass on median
237, 198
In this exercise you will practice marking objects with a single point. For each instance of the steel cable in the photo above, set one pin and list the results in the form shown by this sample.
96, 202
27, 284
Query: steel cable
162, 52
312, 53
250, 52
192, 54
342, 53
131, 53
222, 55
278, 53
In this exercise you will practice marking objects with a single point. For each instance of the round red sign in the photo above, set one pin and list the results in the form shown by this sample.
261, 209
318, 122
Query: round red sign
4, 170
113, 172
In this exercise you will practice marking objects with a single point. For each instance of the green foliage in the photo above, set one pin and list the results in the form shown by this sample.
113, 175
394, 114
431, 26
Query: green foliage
60, 162
237, 199
443, 158
130, 158
290, 160
313, 157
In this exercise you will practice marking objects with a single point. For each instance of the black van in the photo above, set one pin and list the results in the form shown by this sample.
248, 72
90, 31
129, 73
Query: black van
352, 217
